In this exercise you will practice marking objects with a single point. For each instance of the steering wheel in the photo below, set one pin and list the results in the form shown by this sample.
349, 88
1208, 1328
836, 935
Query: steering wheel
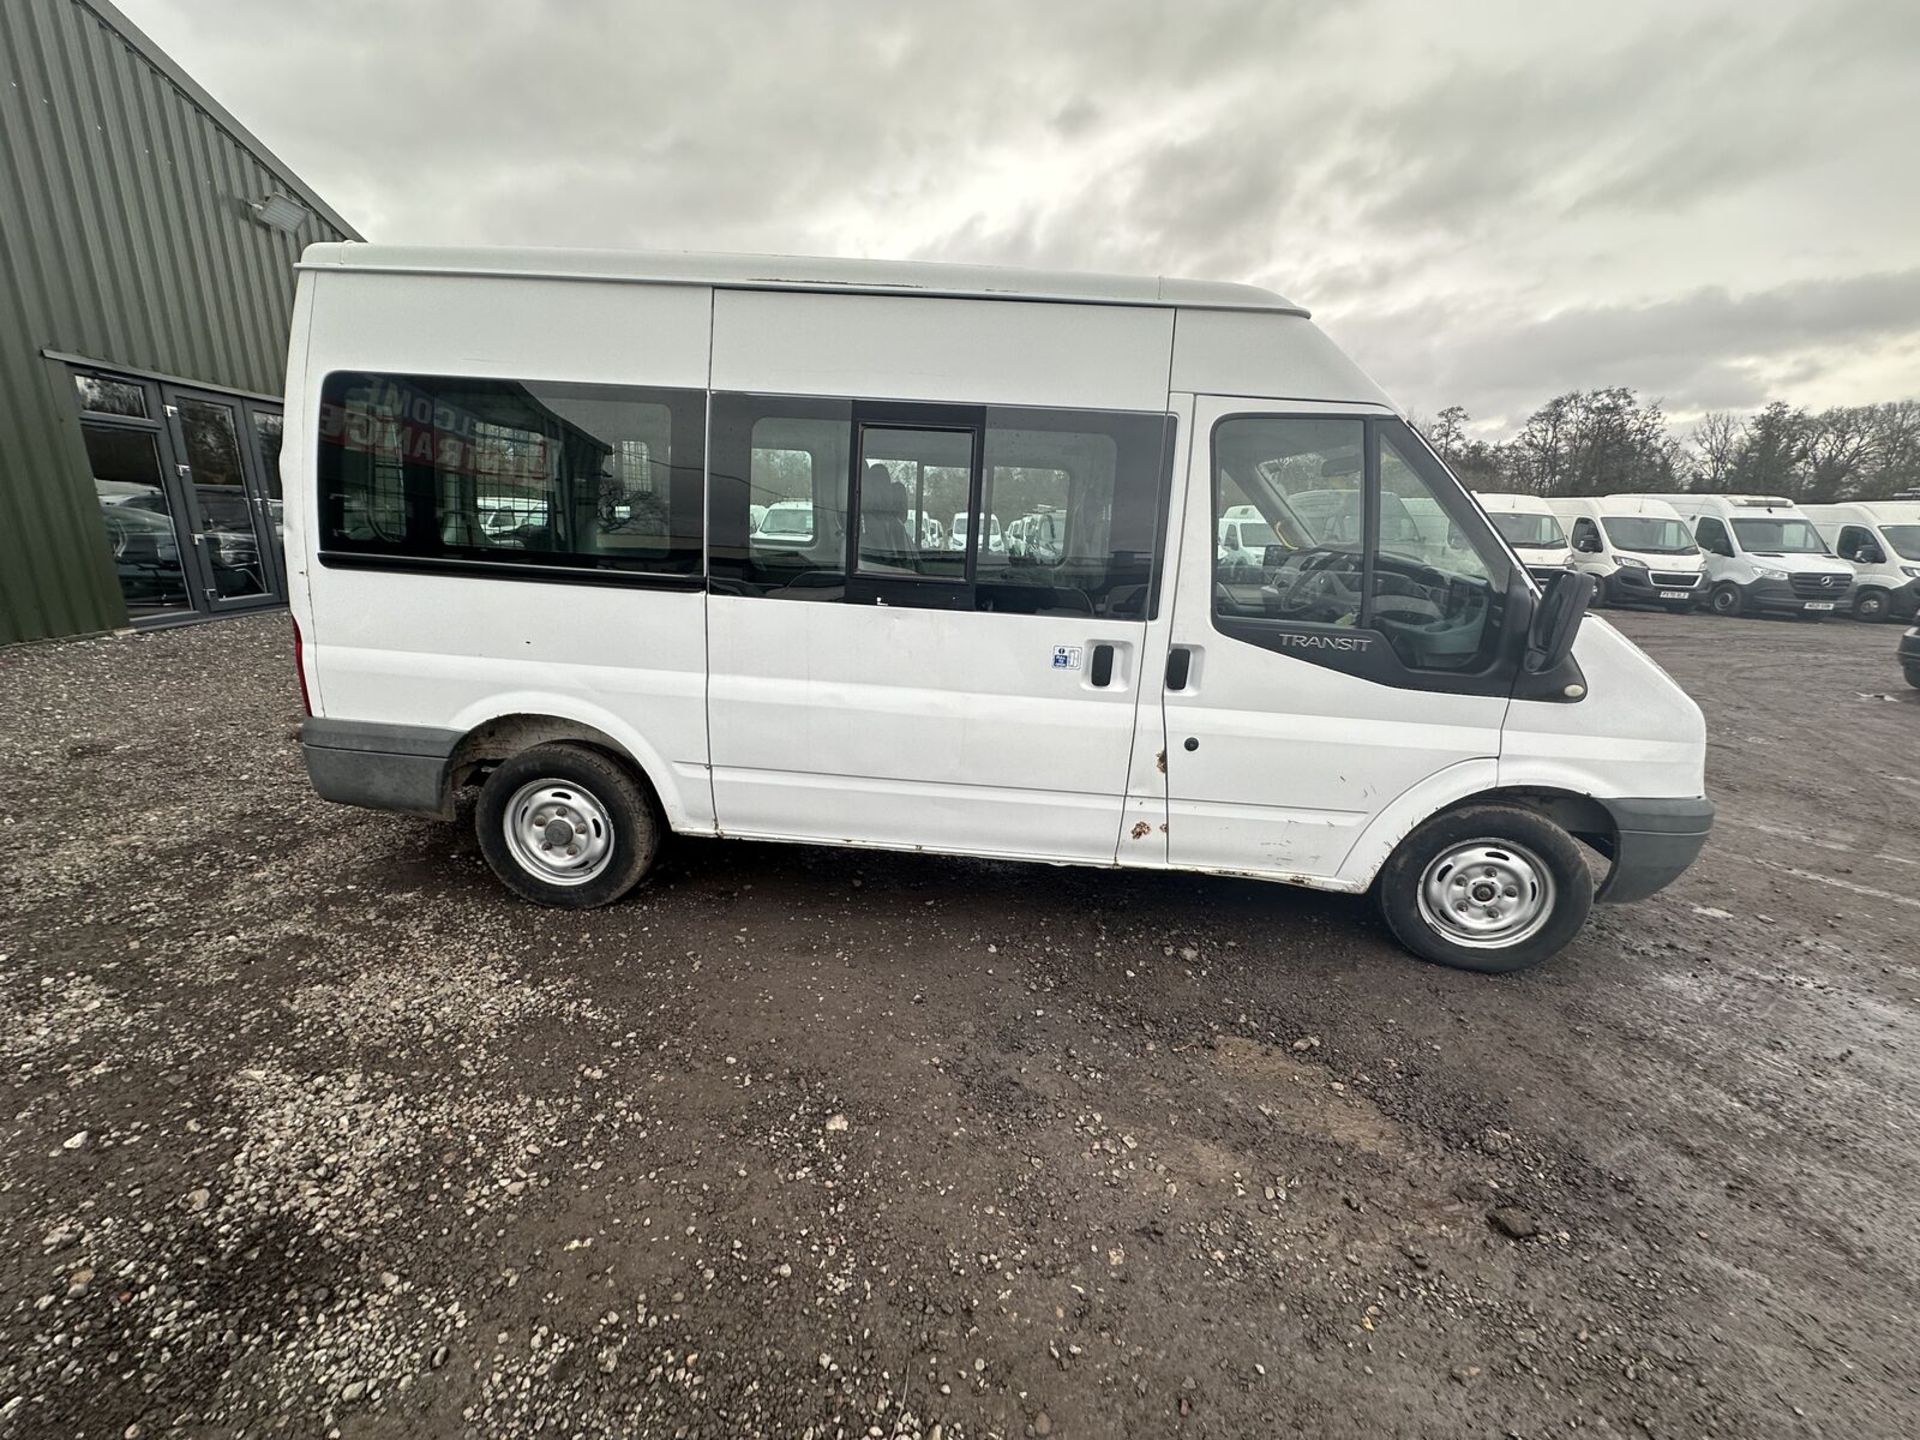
1316, 582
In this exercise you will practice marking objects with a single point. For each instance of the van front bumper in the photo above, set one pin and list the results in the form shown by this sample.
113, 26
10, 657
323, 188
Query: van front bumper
1630, 585
1783, 597
383, 767
1654, 841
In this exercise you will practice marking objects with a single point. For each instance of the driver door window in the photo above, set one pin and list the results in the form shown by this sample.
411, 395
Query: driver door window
1369, 535
1304, 478
1586, 536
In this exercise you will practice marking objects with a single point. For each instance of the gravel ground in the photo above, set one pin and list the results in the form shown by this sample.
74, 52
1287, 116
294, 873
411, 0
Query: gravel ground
311, 1129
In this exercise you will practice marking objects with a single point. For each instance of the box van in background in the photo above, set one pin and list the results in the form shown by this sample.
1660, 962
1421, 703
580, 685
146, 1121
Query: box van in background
1367, 706
1763, 556
1881, 540
1528, 524
1637, 548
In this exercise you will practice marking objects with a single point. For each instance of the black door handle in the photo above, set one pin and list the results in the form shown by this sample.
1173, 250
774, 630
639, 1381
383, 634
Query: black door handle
1179, 664
1102, 666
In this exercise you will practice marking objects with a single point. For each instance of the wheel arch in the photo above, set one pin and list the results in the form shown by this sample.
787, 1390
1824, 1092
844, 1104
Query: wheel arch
489, 738
1475, 782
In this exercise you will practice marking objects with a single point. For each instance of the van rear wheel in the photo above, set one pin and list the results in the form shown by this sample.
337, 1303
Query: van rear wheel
566, 825
1488, 888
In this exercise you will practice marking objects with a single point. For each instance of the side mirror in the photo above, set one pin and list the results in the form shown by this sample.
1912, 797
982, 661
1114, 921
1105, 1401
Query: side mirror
1587, 545
1870, 555
1557, 621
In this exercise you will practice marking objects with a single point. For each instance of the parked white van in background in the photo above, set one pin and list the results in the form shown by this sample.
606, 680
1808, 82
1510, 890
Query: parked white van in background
1363, 708
1637, 548
1529, 525
1763, 556
1880, 539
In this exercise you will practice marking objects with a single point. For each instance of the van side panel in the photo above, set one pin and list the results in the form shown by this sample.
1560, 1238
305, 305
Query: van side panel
1227, 352
1092, 357
390, 646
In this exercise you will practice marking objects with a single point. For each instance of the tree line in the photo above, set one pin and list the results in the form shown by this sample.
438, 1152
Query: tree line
1609, 441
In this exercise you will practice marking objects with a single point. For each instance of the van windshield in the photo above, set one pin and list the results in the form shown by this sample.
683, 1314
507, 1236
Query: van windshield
1649, 534
777, 521
1529, 532
1778, 535
1905, 540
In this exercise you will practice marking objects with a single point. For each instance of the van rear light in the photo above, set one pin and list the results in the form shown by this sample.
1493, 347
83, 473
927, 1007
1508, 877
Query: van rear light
300, 669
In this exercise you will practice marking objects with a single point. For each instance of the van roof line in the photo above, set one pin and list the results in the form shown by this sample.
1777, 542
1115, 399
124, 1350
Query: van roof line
928, 279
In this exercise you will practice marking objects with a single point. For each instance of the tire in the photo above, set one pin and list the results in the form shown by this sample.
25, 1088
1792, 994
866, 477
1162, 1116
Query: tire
1726, 600
599, 838
1872, 605
1913, 675
1508, 844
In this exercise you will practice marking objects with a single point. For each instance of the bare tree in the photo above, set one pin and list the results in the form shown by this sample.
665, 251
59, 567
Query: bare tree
1712, 449
1839, 446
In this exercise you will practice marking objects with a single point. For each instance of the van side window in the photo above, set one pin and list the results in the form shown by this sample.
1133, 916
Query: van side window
1857, 544
434, 470
778, 496
1360, 529
1712, 536
1069, 517
1079, 500
908, 476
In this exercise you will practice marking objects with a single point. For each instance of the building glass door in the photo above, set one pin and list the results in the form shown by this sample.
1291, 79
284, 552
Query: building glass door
188, 486
232, 542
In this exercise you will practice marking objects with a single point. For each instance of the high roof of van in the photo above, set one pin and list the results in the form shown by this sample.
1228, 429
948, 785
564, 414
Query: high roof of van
1511, 502
794, 272
1569, 506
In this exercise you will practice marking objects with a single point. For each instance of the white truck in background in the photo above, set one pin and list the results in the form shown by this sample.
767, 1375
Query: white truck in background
1528, 524
1763, 556
1637, 548
1880, 539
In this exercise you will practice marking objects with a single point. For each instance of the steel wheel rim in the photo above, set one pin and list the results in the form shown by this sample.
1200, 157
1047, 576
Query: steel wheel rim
1870, 606
1487, 894
558, 832
1722, 600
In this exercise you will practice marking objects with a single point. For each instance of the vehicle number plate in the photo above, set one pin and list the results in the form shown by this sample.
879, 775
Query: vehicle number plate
1676, 594
1819, 604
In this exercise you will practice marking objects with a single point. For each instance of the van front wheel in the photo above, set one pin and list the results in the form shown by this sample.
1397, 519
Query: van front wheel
566, 825
1488, 888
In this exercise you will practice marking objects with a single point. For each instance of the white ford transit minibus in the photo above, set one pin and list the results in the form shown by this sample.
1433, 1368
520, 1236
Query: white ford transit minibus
1880, 539
1528, 524
1366, 704
1763, 555
1637, 548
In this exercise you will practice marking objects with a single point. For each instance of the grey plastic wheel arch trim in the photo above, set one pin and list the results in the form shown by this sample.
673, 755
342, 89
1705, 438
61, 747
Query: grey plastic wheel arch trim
377, 765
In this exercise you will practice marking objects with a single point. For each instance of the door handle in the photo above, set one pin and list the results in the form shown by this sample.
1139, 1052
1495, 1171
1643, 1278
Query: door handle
1101, 675
1179, 666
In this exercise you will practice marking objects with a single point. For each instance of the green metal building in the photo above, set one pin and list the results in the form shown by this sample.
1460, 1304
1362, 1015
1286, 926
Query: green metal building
147, 245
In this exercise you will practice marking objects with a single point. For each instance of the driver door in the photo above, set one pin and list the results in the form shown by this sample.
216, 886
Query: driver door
1367, 652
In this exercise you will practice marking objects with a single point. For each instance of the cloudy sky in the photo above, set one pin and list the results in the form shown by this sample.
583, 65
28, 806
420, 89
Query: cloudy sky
1486, 201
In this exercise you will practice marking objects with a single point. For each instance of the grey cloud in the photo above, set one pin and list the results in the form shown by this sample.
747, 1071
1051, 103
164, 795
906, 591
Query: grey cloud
1705, 350
1466, 207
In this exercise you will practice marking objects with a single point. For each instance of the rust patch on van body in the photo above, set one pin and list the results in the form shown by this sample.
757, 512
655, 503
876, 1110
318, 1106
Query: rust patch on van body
1141, 829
